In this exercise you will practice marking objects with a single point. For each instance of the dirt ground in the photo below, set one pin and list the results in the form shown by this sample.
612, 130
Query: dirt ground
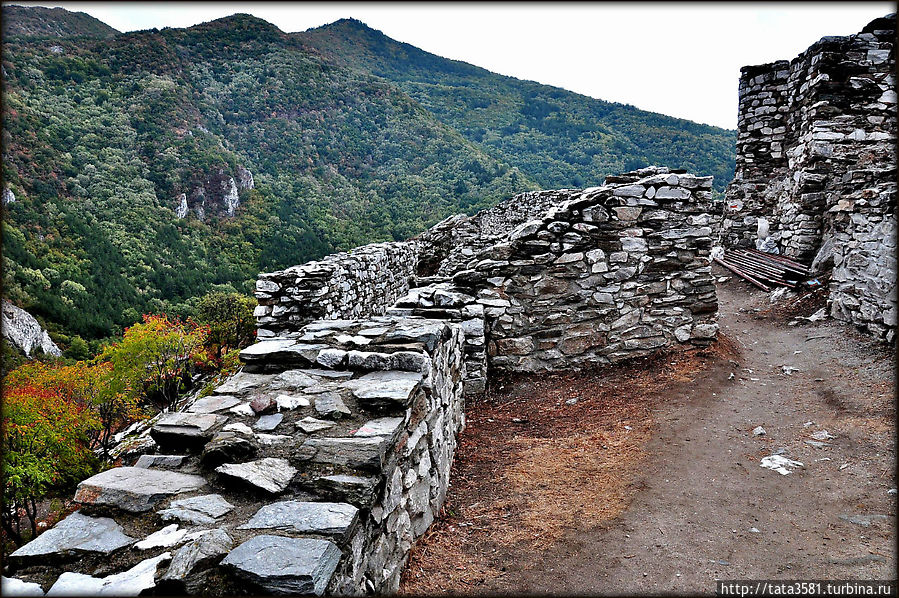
651, 481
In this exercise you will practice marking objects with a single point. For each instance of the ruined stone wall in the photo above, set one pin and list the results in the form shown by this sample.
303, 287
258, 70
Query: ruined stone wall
448, 245
816, 157
345, 285
311, 472
609, 273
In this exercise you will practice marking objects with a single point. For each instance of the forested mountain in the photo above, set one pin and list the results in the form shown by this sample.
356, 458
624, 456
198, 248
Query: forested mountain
143, 170
557, 137
52, 22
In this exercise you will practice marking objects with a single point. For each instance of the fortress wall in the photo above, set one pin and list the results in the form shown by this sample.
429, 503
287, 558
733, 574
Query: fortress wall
816, 157
346, 285
610, 273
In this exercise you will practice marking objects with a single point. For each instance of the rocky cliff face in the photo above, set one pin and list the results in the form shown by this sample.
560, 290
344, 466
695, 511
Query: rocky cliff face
218, 195
23, 331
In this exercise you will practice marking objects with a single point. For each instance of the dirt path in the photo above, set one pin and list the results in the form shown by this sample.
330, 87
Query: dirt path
651, 482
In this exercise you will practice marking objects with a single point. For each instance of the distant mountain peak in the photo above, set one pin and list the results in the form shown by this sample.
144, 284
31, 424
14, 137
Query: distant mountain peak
39, 21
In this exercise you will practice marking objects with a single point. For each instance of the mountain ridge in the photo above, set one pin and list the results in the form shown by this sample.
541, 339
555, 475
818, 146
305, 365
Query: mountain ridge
123, 153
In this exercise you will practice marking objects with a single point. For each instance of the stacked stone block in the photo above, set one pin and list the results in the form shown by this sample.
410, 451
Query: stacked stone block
312, 471
442, 301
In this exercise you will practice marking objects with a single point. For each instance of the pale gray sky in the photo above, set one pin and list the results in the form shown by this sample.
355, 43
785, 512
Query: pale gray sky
678, 59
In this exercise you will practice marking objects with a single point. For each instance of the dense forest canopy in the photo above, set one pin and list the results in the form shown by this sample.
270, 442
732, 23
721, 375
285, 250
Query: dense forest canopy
121, 152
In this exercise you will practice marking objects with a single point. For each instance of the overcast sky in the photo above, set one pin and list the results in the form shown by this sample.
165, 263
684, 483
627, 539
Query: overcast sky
678, 59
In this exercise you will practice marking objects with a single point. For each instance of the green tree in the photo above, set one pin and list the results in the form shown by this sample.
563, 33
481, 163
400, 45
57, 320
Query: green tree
229, 317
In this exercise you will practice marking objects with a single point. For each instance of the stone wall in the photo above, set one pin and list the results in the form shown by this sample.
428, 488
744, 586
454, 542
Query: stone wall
346, 285
448, 245
816, 157
610, 273
312, 471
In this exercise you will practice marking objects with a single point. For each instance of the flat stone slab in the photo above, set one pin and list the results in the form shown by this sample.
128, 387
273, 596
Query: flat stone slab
134, 489
293, 379
323, 518
10, 586
132, 582
282, 565
385, 389
267, 423
282, 350
270, 474
362, 453
241, 382
148, 461
310, 425
329, 404
199, 510
74, 535
186, 429
388, 427
167, 536
356, 490
199, 551
213, 404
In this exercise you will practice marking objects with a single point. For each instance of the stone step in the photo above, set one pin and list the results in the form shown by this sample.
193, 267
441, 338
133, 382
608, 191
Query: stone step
186, 430
134, 489
270, 474
280, 565
320, 518
75, 535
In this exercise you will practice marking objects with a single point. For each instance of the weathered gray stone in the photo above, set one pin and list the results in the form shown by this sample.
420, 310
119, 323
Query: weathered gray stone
10, 586
385, 389
148, 461
198, 553
387, 427
76, 534
329, 404
362, 453
270, 474
167, 536
213, 506
321, 518
227, 447
267, 423
310, 425
242, 382
356, 490
186, 430
282, 565
134, 489
132, 582
213, 403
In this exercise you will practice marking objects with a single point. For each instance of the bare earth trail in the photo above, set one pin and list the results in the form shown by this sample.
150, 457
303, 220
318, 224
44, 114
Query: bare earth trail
688, 502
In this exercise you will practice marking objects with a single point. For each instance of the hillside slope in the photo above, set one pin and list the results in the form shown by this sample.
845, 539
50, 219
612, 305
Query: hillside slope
106, 143
557, 137
52, 22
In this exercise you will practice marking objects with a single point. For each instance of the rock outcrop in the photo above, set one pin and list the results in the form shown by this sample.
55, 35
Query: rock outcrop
25, 333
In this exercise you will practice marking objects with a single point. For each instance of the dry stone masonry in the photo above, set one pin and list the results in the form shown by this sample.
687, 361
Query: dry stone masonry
353, 465
362, 282
315, 468
816, 157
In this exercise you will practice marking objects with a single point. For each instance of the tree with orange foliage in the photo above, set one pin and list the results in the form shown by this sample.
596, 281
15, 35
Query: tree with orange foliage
154, 359
91, 387
45, 446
